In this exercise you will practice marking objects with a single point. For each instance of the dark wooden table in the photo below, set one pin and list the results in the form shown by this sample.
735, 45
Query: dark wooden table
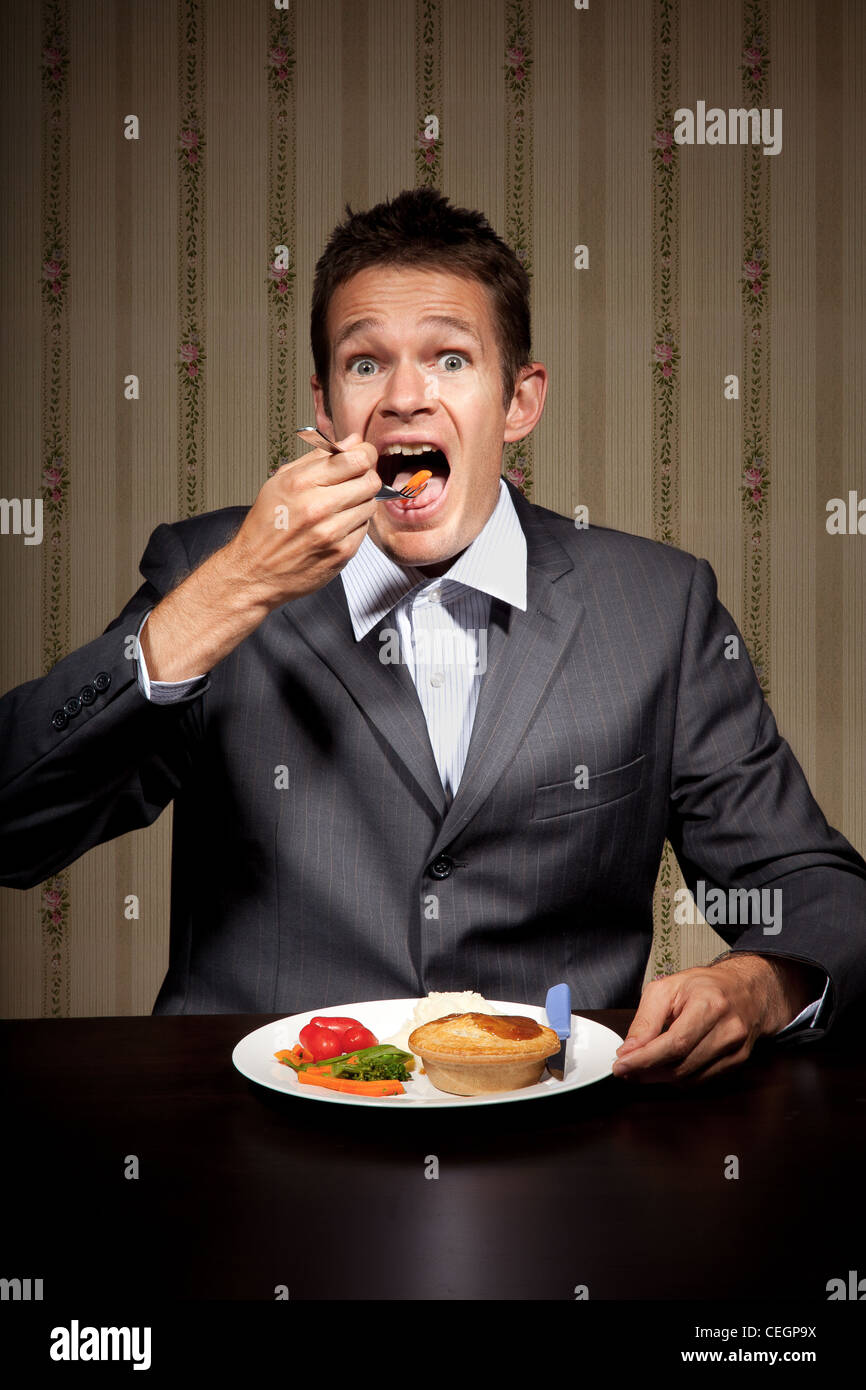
618, 1187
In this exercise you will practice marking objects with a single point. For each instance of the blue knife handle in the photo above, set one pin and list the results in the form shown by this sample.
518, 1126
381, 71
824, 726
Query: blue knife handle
558, 1007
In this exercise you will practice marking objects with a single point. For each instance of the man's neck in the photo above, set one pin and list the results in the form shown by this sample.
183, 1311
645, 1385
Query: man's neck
436, 571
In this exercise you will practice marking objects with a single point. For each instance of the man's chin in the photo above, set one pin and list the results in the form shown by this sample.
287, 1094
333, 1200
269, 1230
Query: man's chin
416, 548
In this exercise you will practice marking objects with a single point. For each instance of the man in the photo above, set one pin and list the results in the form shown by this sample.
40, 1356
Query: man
364, 809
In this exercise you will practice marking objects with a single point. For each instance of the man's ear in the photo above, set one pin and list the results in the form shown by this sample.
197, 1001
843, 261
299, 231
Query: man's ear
527, 403
323, 419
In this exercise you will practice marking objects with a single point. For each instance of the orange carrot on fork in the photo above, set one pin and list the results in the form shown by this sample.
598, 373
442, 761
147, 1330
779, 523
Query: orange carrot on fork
420, 478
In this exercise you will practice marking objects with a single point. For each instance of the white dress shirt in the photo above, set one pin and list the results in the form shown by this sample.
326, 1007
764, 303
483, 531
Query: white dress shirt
439, 630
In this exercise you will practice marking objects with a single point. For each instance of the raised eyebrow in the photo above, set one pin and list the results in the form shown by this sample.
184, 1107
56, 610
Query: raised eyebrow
458, 325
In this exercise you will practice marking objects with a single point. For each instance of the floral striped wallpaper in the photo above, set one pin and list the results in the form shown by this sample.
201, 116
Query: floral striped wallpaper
173, 171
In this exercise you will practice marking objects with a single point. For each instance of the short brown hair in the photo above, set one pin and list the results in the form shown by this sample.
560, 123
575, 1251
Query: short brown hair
420, 228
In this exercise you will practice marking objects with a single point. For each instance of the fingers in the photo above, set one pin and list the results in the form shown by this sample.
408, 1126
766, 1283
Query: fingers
721, 1047
654, 1012
355, 457
688, 1027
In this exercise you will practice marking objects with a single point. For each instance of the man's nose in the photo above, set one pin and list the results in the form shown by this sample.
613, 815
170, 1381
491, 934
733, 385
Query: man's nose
409, 388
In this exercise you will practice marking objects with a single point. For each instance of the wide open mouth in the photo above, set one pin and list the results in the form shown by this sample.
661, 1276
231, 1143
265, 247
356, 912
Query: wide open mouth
395, 470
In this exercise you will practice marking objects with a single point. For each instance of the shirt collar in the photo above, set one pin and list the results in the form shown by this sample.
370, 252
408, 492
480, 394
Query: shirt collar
495, 564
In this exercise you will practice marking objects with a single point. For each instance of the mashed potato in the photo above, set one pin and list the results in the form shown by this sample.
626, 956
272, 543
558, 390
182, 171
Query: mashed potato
437, 1005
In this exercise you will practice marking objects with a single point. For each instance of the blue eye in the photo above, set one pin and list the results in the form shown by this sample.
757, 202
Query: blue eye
354, 364
454, 356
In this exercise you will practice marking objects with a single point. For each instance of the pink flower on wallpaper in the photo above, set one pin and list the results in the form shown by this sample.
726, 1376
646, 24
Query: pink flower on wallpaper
282, 287
756, 332
517, 476
757, 288
757, 494
663, 352
515, 56
663, 139
52, 56
667, 369
57, 918
189, 352
51, 269
753, 55
667, 157
189, 139
753, 476
277, 57
52, 897
192, 369
276, 272
426, 142
56, 494
753, 269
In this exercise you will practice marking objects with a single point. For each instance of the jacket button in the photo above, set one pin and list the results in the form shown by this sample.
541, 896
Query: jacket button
72, 706
59, 719
102, 681
442, 866
87, 694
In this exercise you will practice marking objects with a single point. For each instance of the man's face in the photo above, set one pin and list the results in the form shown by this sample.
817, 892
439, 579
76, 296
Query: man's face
412, 377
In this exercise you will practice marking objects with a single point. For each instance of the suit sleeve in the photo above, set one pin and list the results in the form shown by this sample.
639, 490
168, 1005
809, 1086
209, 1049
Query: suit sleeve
84, 757
741, 815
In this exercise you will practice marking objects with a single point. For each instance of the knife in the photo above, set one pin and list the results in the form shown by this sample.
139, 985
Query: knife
558, 1007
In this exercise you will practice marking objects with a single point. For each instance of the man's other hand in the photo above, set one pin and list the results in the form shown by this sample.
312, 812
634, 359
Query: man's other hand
697, 1023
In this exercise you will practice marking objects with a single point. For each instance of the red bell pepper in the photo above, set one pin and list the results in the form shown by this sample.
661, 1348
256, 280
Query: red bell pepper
326, 1036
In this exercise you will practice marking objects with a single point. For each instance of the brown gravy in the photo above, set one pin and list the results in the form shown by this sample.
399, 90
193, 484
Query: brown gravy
512, 1026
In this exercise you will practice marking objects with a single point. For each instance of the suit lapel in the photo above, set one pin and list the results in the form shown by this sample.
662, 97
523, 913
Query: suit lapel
384, 691
524, 651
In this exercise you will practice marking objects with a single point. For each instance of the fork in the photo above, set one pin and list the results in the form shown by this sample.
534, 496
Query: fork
385, 493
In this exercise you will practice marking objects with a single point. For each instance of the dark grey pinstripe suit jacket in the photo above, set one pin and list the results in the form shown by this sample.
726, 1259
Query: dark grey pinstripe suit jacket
323, 891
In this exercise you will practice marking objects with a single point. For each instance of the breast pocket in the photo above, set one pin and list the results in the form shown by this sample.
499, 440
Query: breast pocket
566, 799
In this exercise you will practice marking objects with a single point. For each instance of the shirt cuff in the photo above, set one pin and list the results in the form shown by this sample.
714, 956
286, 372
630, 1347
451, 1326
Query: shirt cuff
808, 1017
161, 692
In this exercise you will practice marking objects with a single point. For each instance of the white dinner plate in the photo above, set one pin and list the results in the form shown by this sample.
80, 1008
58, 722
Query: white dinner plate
590, 1056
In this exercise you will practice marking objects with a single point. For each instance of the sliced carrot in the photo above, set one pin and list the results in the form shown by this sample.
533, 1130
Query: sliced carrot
420, 477
355, 1088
